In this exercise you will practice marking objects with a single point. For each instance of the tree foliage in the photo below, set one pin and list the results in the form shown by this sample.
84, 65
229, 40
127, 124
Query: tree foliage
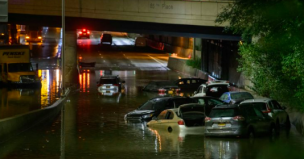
194, 63
272, 54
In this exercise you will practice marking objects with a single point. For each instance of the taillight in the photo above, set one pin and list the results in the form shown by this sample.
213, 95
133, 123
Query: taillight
83, 30
177, 90
181, 122
88, 32
207, 119
80, 32
238, 118
161, 90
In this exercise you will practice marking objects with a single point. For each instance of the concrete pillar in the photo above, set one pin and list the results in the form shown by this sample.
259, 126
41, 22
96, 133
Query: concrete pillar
70, 75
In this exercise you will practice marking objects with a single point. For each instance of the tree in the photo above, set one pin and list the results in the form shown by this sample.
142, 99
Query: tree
272, 53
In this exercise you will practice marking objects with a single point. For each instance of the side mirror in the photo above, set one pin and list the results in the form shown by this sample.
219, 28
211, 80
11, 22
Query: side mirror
195, 92
154, 118
204, 90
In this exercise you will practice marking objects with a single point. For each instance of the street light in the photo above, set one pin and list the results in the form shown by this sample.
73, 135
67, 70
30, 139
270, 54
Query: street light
63, 46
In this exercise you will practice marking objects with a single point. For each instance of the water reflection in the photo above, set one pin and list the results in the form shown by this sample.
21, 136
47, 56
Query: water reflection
19, 101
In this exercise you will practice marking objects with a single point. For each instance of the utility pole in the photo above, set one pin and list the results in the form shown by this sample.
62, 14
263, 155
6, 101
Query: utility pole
63, 47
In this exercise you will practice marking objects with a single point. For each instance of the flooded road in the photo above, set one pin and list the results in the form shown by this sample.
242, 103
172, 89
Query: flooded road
92, 126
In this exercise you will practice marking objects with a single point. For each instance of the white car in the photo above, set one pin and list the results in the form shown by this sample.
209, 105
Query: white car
214, 89
187, 119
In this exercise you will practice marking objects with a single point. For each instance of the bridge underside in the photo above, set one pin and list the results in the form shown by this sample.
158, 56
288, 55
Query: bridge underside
73, 23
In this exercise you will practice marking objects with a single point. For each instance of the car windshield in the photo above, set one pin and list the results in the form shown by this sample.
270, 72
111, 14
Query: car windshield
108, 81
153, 105
241, 95
20, 67
182, 101
229, 112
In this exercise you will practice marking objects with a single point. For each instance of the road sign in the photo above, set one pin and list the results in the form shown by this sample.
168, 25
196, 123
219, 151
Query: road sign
3, 10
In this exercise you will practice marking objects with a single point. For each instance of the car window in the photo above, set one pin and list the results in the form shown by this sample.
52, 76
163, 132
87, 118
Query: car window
108, 81
162, 115
169, 115
193, 81
241, 95
188, 82
258, 112
276, 105
224, 97
248, 110
199, 90
147, 106
181, 82
230, 112
201, 101
261, 106
214, 102
181, 101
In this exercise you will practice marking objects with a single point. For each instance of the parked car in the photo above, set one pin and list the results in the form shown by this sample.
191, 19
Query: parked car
190, 84
186, 118
272, 108
154, 106
140, 42
109, 85
238, 120
106, 39
208, 102
212, 90
235, 97
84, 33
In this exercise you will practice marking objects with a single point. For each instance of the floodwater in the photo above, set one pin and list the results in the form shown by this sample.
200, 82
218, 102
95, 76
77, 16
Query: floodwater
92, 126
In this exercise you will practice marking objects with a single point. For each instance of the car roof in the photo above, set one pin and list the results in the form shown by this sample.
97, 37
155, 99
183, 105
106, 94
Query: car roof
261, 100
226, 106
237, 92
175, 97
109, 76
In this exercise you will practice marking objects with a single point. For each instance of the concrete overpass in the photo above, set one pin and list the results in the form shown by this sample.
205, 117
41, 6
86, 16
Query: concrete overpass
181, 12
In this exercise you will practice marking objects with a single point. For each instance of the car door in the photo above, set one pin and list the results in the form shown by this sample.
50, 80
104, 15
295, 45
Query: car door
168, 120
263, 124
250, 116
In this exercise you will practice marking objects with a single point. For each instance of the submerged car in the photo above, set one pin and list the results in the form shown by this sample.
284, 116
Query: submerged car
186, 118
84, 33
271, 108
154, 106
235, 97
238, 120
109, 85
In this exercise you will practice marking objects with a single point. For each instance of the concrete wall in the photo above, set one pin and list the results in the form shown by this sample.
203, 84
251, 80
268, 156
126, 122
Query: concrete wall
194, 12
17, 124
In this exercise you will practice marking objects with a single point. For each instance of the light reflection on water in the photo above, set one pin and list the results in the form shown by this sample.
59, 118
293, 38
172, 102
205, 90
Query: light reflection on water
18, 101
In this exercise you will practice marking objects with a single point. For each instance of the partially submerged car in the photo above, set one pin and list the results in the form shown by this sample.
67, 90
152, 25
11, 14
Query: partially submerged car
187, 118
271, 108
109, 85
154, 106
238, 120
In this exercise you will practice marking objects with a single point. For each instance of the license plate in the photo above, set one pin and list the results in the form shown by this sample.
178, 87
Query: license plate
221, 124
107, 86
84, 34
108, 91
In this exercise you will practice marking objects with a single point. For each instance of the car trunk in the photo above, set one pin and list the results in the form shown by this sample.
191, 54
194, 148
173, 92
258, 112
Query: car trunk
193, 115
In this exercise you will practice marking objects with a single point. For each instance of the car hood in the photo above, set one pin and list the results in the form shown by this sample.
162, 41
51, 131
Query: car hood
141, 112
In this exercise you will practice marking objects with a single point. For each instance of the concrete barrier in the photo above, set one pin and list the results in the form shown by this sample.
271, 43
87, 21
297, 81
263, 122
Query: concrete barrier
17, 124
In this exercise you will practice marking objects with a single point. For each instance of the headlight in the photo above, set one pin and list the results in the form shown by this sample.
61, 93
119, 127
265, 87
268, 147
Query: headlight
27, 37
147, 116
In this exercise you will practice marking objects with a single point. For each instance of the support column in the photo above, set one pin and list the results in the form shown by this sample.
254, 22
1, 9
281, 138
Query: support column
70, 75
